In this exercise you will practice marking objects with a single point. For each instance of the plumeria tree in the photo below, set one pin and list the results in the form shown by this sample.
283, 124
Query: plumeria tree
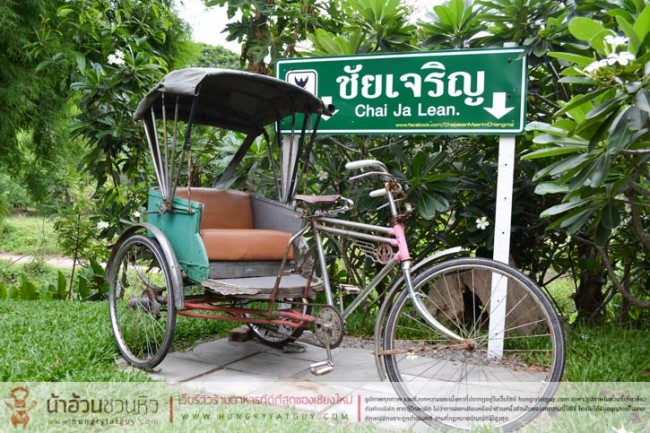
596, 151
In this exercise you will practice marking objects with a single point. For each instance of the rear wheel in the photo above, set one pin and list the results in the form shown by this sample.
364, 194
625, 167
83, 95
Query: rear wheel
513, 347
141, 301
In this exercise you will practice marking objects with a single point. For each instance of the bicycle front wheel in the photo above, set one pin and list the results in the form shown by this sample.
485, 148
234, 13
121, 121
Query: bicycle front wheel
506, 368
141, 301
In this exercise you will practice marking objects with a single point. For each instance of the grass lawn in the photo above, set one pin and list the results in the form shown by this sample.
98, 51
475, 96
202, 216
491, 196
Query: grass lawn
54, 341
32, 235
72, 341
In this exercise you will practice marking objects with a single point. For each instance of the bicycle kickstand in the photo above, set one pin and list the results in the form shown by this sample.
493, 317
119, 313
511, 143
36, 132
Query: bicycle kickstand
323, 367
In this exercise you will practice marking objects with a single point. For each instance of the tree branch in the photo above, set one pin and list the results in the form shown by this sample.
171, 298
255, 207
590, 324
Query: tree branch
612, 275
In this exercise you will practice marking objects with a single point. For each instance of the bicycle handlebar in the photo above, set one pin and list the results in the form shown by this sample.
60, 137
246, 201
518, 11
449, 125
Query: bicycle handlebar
354, 165
378, 192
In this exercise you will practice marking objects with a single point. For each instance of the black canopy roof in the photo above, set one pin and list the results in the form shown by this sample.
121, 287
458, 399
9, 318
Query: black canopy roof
235, 100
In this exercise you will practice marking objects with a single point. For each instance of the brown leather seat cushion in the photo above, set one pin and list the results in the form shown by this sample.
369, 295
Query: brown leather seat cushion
243, 244
223, 209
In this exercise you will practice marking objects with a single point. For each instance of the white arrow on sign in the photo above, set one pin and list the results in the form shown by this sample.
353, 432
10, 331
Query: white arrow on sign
498, 108
327, 100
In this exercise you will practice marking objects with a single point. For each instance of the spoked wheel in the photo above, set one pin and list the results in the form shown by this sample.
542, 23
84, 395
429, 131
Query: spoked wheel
504, 370
141, 301
278, 335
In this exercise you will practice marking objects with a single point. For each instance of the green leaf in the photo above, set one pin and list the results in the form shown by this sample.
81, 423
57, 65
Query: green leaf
62, 12
61, 287
82, 288
553, 151
81, 62
27, 290
600, 171
630, 33
3, 292
598, 135
606, 107
579, 100
570, 164
642, 24
564, 207
619, 133
42, 65
574, 223
576, 80
574, 58
643, 100
555, 139
425, 206
551, 188
428, 203
611, 217
545, 127
589, 30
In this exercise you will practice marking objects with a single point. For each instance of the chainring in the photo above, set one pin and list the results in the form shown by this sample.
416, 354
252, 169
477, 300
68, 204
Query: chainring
329, 321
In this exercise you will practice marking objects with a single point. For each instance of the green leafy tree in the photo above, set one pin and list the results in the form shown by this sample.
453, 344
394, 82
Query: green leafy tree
272, 28
123, 48
33, 97
203, 55
597, 150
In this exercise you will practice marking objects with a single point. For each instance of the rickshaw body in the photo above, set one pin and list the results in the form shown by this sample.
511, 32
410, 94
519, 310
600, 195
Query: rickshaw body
238, 249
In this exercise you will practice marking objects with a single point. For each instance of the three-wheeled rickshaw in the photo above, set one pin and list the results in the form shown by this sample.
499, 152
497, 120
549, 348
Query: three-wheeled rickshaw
446, 326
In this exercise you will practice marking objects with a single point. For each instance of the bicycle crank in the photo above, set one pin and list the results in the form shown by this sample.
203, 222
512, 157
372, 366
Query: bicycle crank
328, 329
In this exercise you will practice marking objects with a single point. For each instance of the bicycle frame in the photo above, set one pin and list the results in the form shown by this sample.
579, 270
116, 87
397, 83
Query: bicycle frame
395, 238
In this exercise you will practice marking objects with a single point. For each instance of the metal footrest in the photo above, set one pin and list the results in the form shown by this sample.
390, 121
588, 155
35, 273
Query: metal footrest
291, 286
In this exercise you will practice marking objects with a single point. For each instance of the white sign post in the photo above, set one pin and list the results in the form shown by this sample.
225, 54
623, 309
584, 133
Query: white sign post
502, 222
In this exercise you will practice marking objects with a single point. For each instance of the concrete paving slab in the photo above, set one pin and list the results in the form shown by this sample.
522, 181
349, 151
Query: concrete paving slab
353, 391
176, 368
227, 382
271, 363
219, 353
350, 365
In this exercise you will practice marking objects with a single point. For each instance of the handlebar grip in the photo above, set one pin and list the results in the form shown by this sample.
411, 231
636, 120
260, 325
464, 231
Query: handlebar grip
378, 192
353, 165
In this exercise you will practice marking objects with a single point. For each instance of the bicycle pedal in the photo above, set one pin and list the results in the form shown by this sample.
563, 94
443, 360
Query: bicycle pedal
349, 289
321, 368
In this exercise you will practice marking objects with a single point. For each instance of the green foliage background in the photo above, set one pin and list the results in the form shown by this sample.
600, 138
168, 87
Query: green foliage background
585, 151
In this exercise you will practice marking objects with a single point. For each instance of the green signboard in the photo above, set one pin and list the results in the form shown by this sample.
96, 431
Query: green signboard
442, 92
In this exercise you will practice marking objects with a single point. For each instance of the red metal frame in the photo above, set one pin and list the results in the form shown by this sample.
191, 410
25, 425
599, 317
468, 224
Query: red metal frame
297, 319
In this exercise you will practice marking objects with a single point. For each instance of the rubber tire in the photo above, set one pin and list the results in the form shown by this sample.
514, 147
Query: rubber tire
552, 321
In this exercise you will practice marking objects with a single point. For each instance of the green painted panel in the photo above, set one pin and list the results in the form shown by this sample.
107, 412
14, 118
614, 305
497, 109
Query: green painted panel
181, 227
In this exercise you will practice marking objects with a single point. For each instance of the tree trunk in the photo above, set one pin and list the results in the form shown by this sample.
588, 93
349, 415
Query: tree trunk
589, 296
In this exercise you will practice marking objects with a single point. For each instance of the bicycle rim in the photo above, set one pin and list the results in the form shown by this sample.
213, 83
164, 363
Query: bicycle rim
507, 374
143, 316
